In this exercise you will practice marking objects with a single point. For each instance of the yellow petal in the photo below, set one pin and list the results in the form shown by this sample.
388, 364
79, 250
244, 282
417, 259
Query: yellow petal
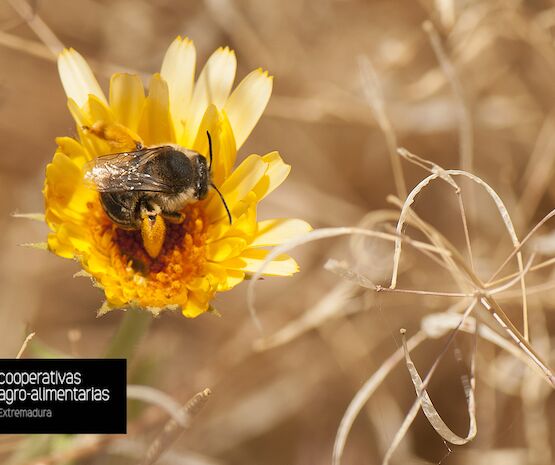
245, 177
251, 260
178, 70
79, 115
244, 221
59, 248
94, 111
215, 272
275, 174
243, 180
65, 195
156, 127
247, 103
77, 78
73, 150
68, 241
213, 86
75, 235
233, 277
195, 305
224, 249
199, 284
98, 110
279, 230
223, 143
63, 177
127, 98
97, 264
114, 298
92, 144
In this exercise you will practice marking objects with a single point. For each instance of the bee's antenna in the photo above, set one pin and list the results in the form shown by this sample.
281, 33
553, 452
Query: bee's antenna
210, 149
215, 188
223, 201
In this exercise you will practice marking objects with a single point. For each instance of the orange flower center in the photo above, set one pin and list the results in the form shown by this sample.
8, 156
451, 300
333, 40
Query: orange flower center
156, 281
183, 241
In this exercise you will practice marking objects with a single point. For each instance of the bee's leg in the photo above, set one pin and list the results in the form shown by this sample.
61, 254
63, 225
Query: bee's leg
117, 135
174, 217
153, 229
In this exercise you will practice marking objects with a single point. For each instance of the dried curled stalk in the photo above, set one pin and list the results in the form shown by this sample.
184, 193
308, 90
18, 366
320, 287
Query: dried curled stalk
180, 420
474, 293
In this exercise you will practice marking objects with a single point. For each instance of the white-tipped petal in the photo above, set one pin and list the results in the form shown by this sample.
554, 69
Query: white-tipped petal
212, 87
247, 103
77, 78
178, 70
251, 260
278, 230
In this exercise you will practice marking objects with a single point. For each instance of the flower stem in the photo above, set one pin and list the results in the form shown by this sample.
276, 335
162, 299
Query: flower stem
133, 327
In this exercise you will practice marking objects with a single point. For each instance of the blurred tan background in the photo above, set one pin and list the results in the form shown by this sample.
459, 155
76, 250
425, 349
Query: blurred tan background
283, 405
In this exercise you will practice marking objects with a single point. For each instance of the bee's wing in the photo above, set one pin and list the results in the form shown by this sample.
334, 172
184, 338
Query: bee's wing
119, 172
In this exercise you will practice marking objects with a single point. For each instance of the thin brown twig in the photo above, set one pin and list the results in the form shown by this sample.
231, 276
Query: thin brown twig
447, 176
366, 391
173, 428
465, 229
24, 345
537, 289
466, 137
374, 97
351, 275
411, 415
521, 244
539, 266
539, 170
37, 49
464, 280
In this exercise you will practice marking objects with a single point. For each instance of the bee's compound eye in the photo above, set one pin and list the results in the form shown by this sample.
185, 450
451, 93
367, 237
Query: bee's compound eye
202, 177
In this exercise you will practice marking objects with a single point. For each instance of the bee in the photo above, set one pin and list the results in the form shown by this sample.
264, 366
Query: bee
142, 188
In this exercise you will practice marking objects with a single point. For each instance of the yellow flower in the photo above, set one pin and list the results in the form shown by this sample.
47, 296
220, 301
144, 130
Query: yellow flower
204, 254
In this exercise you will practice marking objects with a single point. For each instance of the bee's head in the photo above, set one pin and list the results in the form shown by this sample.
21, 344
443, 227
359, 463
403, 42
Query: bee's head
184, 173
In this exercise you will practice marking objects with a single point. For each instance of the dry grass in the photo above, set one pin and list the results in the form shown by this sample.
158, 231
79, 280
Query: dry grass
448, 238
